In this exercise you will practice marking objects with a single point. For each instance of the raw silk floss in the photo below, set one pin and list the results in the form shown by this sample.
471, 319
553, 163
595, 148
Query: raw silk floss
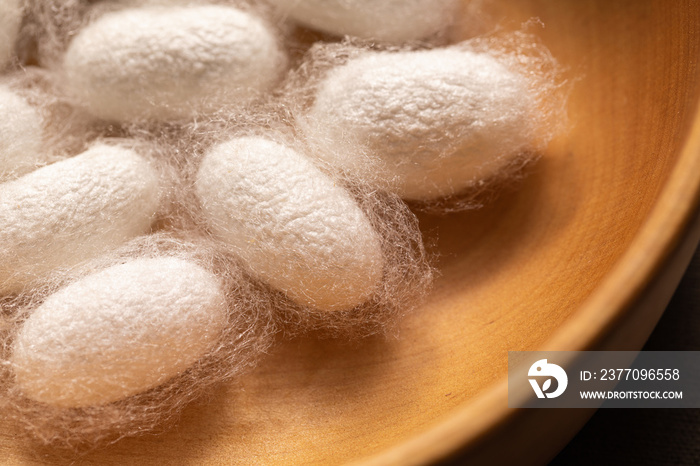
178, 188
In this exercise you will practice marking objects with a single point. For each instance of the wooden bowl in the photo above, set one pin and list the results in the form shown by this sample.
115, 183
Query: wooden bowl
584, 255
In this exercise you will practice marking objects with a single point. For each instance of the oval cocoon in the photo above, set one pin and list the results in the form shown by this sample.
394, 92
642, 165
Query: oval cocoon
385, 20
73, 210
170, 62
436, 121
21, 131
290, 224
10, 20
118, 332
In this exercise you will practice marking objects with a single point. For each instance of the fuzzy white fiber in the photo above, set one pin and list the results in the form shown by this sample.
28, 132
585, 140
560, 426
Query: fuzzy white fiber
10, 20
73, 210
21, 134
118, 332
240, 185
290, 223
433, 121
385, 20
172, 62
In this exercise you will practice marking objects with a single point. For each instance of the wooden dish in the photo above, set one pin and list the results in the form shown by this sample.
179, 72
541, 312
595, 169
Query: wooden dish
584, 255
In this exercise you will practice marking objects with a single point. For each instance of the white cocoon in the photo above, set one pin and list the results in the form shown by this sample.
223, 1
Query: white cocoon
289, 222
385, 20
435, 121
118, 332
73, 210
21, 134
170, 62
10, 20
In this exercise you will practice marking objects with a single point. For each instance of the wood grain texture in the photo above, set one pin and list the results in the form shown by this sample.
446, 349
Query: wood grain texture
558, 263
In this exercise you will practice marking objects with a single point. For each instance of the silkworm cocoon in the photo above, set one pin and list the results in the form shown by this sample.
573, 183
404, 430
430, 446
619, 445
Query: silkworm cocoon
10, 19
170, 62
435, 121
118, 332
73, 210
21, 133
385, 20
290, 224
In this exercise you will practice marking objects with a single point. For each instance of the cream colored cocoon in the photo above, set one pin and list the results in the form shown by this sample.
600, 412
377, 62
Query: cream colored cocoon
434, 121
10, 20
291, 224
385, 20
118, 332
73, 210
171, 62
21, 135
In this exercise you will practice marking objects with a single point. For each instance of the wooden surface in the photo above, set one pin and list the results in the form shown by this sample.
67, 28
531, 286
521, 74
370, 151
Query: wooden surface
556, 264
649, 437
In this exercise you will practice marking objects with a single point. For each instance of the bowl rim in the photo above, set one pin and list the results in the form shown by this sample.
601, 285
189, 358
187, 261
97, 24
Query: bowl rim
669, 222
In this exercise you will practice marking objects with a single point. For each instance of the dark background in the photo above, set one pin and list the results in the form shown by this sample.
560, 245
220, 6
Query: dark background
649, 436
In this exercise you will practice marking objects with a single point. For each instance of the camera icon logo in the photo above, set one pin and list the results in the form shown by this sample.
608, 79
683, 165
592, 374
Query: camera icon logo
542, 368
